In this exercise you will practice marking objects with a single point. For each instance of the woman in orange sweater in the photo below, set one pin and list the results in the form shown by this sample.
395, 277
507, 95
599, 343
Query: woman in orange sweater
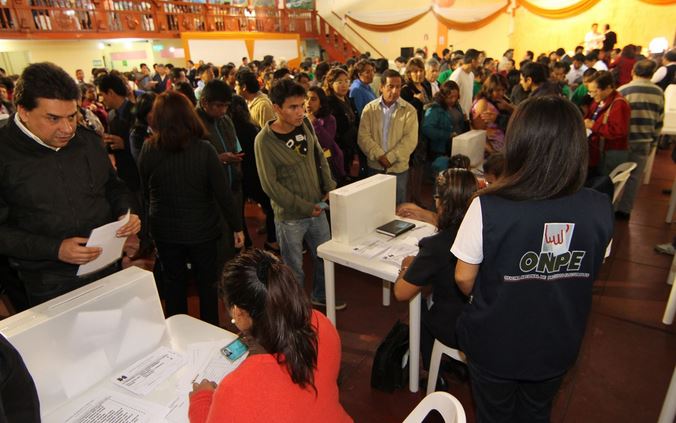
294, 352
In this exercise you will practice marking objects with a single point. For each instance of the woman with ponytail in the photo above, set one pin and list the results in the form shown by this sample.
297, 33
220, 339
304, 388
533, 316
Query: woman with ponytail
294, 351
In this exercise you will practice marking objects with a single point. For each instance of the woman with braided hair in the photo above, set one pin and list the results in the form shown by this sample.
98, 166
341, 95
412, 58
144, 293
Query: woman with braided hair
292, 369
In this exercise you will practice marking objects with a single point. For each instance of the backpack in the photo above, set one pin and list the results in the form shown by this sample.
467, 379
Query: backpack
390, 364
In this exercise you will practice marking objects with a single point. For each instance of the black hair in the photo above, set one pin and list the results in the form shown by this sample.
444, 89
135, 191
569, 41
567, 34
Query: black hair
143, 106
546, 151
535, 71
302, 75
176, 73
561, 65
644, 68
216, 90
114, 83
494, 165
186, 89
44, 80
260, 284
248, 80
280, 73
671, 55
560, 52
239, 111
444, 91
579, 57
86, 87
592, 56
382, 65
203, 68
389, 73
603, 80
321, 70
226, 69
400, 59
588, 73
454, 188
360, 67
471, 54
283, 89
323, 102
459, 161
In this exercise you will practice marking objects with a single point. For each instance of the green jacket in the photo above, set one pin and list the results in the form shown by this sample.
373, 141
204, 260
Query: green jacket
290, 179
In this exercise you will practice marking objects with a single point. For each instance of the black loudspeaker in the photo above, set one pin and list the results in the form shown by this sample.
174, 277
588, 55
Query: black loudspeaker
407, 52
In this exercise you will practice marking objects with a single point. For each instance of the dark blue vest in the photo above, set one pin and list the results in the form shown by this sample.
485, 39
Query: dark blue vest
533, 292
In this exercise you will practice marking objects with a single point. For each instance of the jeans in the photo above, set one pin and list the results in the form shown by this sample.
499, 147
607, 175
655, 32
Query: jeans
402, 182
511, 401
638, 153
290, 235
207, 260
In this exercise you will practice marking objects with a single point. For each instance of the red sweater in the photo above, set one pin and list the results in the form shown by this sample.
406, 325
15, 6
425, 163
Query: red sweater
615, 131
261, 390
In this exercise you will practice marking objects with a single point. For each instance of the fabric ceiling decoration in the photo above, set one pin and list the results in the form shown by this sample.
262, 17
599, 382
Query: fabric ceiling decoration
561, 13
387, 17
659, 2
469, 18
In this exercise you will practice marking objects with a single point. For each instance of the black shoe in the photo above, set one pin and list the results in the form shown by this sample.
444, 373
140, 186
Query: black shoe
442, 385
620, 215
340, 305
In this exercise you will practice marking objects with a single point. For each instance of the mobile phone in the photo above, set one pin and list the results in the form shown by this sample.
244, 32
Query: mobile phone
323, 205
234, 350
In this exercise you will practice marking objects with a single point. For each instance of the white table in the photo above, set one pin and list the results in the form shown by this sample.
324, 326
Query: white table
333, 252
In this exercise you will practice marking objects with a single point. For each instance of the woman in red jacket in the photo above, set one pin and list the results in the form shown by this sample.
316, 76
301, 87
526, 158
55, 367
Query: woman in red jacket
623, 65
294, 352
608, 121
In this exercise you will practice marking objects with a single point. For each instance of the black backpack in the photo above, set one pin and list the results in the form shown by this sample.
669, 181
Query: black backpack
390, 364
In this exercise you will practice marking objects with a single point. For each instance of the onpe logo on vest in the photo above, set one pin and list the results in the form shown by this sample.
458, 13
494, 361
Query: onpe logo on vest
555, 255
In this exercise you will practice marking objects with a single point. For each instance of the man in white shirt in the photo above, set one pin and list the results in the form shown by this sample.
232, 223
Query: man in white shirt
464, 77
593, 39
574, 75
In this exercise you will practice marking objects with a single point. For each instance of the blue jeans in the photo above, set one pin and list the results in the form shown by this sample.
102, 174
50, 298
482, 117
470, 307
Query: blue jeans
402, 182
290, 235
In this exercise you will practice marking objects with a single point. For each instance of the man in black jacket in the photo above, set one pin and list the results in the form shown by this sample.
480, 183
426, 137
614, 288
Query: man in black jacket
56, 185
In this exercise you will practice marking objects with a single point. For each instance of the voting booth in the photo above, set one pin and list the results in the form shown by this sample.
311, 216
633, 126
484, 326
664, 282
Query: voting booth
75, 347
471, 144
360, 207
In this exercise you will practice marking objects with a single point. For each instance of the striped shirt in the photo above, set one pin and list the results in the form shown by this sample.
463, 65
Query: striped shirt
647, 110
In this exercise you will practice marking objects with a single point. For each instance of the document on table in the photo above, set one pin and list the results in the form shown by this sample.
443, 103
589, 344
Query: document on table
104, 237
392, 250
106, 406
148, 373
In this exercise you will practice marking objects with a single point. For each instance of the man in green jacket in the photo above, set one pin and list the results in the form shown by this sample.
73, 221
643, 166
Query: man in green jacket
295, 175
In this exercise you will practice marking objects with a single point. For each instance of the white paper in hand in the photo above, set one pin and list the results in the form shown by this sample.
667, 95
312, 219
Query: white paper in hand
104, 237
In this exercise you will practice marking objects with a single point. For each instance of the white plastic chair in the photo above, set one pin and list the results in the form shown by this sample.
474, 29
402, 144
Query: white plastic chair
619, 176
670, 310
435, 361
446, 404
648, 171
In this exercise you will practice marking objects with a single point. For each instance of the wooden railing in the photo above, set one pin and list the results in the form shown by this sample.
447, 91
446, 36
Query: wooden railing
160, 19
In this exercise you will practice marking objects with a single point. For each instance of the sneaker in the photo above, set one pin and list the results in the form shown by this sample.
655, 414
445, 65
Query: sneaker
340, 305
667, 248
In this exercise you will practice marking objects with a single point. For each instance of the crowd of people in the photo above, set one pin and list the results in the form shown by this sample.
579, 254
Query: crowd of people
183, 149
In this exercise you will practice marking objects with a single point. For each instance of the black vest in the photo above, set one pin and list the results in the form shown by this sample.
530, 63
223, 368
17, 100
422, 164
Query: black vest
669, 78
533, 292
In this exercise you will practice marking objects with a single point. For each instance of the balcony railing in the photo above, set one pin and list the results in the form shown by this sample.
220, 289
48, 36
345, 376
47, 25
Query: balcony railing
160, 19
150, 17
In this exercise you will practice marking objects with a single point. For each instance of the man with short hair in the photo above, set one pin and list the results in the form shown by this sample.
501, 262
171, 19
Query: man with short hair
56, 185
534, 81
160, 78
113, 91
212, 110
464, 77
260, 107
431, 75
205, 73
178, 76
297, 177
574, 76
79, 77
388, 132
593, 60
647, 115
593, 40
